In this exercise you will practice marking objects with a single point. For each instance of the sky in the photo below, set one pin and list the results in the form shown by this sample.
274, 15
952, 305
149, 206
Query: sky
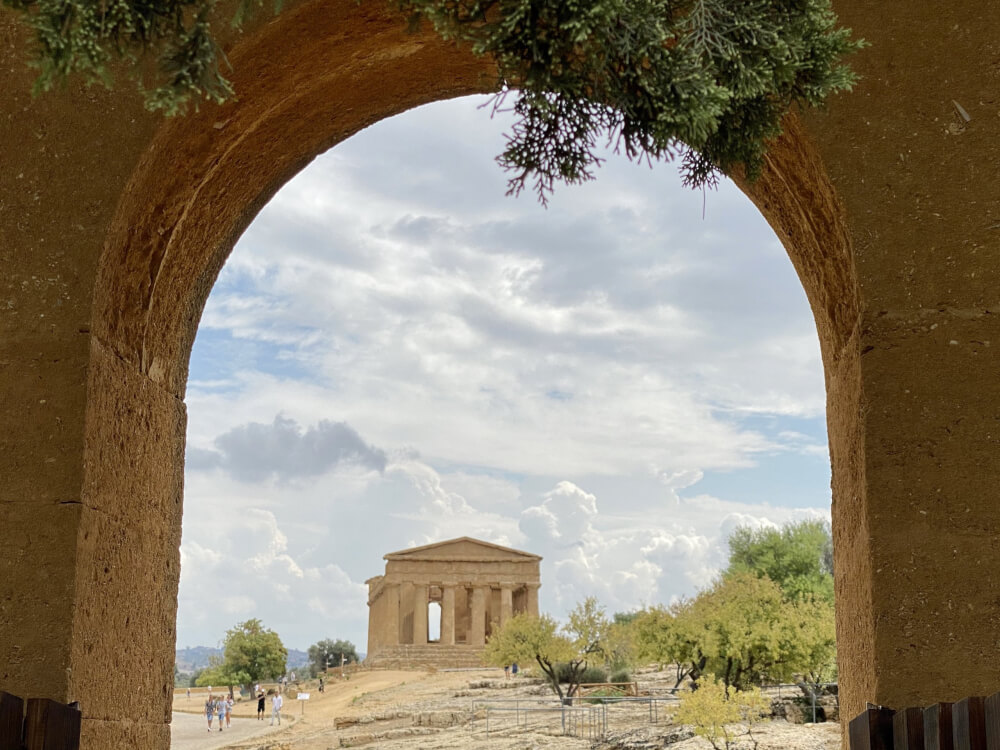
396, 353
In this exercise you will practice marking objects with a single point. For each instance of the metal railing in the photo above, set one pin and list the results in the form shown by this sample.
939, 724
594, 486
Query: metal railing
596, 722
574, 720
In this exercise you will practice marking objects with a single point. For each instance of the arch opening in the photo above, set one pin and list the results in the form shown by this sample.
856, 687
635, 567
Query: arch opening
159, 265
316, 288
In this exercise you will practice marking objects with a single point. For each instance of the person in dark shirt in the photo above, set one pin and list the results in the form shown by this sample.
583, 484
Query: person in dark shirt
260, 705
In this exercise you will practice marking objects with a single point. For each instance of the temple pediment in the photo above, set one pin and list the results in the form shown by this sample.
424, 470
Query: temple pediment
463, 549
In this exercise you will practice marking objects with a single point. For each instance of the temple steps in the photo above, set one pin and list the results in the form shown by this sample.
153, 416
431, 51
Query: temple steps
427, 655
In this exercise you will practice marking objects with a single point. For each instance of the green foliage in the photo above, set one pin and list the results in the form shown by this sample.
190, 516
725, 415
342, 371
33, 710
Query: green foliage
80, 37
570, 673
524, 639
251, 653
214, 674
564, 657
328, 653
671, 635
721, 716
593, 674
624, 618
743, 629
588, 627
621, 675
707, 81
798, 557
704, 80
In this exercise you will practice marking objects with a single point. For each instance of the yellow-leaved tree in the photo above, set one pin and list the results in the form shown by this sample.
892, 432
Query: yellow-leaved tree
722, 717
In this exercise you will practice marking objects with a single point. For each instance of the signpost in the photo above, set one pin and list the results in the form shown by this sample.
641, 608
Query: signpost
302, 697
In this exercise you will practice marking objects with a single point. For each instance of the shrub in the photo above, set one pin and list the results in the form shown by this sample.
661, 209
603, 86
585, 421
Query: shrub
564, 673
594, 674
717, 716
620, 675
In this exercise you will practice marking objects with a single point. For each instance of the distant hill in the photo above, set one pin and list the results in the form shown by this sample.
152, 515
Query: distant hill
197, 657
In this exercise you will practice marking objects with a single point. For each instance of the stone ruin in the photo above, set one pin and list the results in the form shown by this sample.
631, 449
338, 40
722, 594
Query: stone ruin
478, 586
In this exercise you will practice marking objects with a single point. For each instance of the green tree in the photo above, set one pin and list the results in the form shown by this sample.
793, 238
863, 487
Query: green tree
742, 629
798, 557
216, 674
251, 653
707, 81
525, 639
720, 716
563, 656
671, 635
329, 653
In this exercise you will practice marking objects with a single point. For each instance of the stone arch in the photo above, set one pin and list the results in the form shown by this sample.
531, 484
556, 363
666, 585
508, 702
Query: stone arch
307, 79
204, 177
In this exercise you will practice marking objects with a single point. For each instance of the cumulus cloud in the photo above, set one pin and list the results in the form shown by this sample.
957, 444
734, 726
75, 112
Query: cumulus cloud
255, 451
446, 362
239, 565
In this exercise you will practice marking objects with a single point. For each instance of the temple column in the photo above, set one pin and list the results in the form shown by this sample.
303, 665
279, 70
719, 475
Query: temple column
420, 615
533, 599
405, 618
477, 628
506, 604
390, 624
448, 615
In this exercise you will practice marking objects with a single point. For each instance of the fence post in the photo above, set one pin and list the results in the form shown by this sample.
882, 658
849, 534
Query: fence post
968, 724
871, 730
937, 727
992, 710
908, 729
51, 726
11, 721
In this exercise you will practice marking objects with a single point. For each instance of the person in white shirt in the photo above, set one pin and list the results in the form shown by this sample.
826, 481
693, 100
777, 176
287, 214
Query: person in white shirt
276, 702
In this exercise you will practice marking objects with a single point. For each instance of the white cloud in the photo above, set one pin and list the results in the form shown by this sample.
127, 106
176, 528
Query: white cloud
396, 354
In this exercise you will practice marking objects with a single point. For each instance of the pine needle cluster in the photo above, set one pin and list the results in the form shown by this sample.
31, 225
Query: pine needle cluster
706, 82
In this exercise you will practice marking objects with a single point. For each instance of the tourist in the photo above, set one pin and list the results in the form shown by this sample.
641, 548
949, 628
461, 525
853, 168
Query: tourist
506, 671
260, 704
220, 710
209, 711
276, 702
229, 709
321, 684
189, 693
514, 669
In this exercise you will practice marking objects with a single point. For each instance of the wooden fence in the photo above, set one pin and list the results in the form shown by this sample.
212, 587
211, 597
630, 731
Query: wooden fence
969, 724
607, 688
38, 724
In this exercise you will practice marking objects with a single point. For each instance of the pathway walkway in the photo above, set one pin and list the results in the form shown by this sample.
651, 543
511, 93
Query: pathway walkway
189, 731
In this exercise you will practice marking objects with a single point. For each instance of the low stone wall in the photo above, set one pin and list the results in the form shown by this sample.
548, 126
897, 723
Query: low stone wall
430, 655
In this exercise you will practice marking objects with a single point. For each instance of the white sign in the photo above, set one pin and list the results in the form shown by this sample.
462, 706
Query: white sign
302, 696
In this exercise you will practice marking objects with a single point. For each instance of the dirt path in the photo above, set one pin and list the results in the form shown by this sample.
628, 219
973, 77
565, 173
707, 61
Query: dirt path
340, 695
189, 732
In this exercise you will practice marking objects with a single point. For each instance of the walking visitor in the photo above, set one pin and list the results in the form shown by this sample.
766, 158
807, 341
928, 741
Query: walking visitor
209, 710
276, 702
260, 704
